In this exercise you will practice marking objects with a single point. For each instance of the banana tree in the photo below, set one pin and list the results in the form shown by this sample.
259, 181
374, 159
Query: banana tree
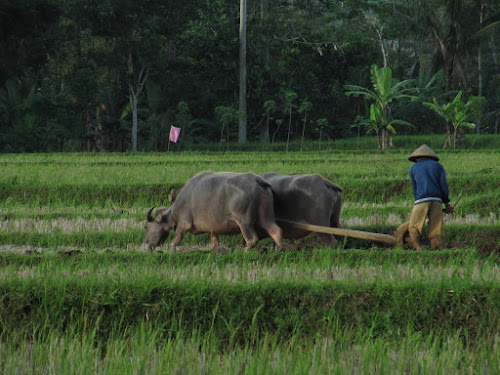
385, 91
454, 113
382, 126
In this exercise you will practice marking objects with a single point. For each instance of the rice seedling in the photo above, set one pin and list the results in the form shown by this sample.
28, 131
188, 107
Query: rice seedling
148, 350
79, 294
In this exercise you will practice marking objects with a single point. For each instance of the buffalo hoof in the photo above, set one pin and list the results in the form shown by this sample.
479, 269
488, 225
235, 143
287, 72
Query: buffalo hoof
263, 250
221, 249
287, 247
145, 248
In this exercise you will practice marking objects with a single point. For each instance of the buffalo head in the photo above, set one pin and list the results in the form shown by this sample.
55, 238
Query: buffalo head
157, 227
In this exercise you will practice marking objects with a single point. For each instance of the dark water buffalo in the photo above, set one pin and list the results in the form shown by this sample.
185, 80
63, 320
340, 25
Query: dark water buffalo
309, 198
217, 203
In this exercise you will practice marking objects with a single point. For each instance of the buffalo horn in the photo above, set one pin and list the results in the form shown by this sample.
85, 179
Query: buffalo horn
148, 215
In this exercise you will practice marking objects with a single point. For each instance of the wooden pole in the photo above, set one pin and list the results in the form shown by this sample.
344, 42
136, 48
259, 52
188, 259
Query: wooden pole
377, 237
242, 121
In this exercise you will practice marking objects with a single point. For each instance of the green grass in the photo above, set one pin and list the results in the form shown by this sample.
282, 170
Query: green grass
77, 295
322, 258
132, 181
483, 236
148, 350
369, 294
354, 266
36, 306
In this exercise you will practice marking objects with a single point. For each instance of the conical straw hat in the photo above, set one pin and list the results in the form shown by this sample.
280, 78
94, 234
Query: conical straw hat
423, 151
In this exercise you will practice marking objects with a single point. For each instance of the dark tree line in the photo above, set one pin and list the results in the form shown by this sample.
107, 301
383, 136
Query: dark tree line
85, 75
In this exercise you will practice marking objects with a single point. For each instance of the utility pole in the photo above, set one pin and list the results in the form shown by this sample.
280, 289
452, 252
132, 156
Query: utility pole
242, 124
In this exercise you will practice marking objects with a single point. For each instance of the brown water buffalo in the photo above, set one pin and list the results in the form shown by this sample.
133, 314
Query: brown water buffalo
217, 203
308, 198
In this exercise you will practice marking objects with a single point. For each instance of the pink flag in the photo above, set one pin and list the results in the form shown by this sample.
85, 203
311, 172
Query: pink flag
174, 133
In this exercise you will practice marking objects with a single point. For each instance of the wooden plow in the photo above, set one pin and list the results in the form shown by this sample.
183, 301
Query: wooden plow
397, 239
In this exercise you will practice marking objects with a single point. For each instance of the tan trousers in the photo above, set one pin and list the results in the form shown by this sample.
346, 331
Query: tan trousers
420, 211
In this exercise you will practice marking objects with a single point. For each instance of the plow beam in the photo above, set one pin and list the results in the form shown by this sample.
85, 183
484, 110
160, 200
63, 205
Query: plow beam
394, 240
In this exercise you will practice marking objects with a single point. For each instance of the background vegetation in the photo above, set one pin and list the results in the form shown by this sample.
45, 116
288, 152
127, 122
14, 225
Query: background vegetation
73, 72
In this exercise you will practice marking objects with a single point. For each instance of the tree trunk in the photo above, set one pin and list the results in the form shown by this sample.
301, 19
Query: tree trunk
88, 132
385, 139
382, 48
303, 131
133, 107
264, 8
134, 93
275, 132
98, 130
265, 134
289, 128
242, 125
447, 140
221, 135
493, 50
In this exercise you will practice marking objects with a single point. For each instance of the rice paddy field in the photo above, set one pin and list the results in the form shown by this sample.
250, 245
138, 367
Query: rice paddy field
79, 293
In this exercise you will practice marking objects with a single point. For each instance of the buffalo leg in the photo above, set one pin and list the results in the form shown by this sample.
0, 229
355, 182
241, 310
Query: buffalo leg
275, 232
266, 221
328, 240
179, 234
214, 239
248, 234
333, 220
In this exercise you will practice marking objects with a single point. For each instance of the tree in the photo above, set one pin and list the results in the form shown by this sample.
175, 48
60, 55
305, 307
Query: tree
494, 115
84, 87
385, 91
226, 117
454, 28
373, 20
16, 111
184, 120
305, 107
22, 27
269, 107
135, 85
290, 97
322, 123
86, 60
454, 113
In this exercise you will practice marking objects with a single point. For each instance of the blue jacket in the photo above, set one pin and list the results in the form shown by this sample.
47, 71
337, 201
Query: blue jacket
428, 180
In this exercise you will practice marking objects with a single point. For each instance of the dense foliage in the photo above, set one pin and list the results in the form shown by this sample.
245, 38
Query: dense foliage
74, 74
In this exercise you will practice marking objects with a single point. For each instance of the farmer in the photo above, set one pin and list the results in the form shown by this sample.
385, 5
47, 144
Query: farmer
430, 189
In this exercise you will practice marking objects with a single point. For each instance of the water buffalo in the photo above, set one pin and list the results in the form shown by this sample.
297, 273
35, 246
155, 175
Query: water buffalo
217, 203
309, 198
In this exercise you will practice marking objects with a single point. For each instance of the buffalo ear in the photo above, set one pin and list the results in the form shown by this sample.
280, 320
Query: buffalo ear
160, 212
172, 195
149, 218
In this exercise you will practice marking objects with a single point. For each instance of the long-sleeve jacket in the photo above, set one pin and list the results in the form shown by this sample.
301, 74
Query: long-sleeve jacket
428, 180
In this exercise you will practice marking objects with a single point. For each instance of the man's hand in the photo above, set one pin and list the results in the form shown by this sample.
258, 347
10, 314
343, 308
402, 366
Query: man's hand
449, 209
